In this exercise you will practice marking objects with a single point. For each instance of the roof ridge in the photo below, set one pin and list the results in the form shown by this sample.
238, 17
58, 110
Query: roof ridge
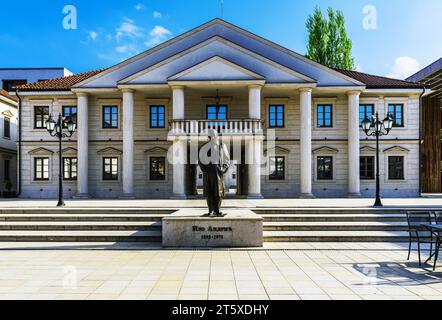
373, 75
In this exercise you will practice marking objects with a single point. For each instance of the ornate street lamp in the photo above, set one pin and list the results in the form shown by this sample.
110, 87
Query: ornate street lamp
379, 128
55, 129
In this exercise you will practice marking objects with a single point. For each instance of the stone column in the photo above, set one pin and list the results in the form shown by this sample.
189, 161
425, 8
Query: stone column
253, 160
179, 146
354, 187
178, 102
82, 145
306, 142
179, 177
128, 143
255, 102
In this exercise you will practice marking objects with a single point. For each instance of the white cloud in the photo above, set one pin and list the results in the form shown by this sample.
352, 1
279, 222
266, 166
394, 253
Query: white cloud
93, 35
157, 15
139, 6
404, 67
158, 35
128, 29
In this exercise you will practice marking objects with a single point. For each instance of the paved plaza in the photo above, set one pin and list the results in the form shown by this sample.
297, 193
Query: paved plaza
304, 271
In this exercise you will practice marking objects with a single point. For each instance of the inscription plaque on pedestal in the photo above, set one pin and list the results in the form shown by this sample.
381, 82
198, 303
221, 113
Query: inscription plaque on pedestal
193, 228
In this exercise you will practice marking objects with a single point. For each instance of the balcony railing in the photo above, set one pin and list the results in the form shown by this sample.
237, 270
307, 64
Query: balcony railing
224, 127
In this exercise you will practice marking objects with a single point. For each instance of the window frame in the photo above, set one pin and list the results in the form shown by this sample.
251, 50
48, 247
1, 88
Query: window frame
276, 106
37, 114
74, 118
389, 177
217, 112
103, 169
6, 170
35, 160
103, 116
322, 179
151, 173
396, 105
157, 126
7, 124
366, 178
365, 105
70, 169
324, 104
272, 177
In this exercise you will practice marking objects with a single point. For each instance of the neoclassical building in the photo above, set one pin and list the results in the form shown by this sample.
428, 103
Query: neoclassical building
300, 119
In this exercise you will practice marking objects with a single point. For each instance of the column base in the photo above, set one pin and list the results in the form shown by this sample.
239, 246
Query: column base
306, 196
354, 195
255, 197
178, 197
82, 196
127, 197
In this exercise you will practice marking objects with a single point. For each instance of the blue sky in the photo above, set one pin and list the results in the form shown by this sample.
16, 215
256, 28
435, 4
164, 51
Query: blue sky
108, 31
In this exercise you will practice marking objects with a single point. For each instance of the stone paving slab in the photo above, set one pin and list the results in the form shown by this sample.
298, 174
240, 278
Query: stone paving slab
331, 271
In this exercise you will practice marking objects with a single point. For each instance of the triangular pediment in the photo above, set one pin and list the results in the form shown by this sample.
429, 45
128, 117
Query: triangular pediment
216, 69
219, 29
110, 150
69, 151
7, 114
41, 151
396, 149
368, 149
277, 150
325, 150
157, 150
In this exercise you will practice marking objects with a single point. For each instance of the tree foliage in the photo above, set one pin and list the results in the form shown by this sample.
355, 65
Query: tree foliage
328, 42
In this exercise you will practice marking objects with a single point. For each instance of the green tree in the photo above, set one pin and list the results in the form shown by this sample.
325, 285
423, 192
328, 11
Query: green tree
328, 40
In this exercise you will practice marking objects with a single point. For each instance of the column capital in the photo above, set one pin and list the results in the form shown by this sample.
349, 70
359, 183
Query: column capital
176, 87
354, 92
127, 90
82, 94
305, 90
255, 86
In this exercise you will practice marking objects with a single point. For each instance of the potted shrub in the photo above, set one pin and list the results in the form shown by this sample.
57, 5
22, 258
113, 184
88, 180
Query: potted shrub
8, 186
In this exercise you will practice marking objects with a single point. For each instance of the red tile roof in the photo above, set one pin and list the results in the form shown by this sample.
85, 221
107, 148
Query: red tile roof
378, 82
58, 84
5, 93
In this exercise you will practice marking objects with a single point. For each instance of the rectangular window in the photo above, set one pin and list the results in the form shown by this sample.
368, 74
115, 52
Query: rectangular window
158, 168
70, 112
41, 169
277, 168
217, 112
7, 172
9, 85
397, 112
325, 168
324, 114
41, 115
366, 111
367, 168
157, 116
396, 168
110, 168
70, 169
110, 117
7, 127
276, 116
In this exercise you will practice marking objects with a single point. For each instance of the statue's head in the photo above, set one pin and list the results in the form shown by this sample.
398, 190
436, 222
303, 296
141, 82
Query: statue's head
213, 134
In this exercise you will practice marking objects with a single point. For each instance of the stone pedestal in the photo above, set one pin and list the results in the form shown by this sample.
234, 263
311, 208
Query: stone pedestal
192, 228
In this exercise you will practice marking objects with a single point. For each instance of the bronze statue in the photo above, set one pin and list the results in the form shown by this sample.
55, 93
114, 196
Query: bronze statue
214, 162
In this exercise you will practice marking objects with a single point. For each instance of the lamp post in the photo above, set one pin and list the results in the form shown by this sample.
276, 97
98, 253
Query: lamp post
379, 128
55, 129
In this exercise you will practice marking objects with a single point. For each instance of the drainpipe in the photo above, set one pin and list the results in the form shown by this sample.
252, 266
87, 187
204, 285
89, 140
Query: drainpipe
420, 138
19, 143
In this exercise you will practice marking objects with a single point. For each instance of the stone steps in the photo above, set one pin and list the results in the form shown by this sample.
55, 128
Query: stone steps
122, 217
335, 236
80, 225
335, 226
80, 236
322, 217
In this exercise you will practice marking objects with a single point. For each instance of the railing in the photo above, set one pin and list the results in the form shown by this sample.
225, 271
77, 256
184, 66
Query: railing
224, 127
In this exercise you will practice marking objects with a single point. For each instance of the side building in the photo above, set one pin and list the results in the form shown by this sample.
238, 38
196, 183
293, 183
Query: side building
298, 119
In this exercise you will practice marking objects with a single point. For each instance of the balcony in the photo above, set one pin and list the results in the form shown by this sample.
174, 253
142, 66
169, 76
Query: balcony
242, 127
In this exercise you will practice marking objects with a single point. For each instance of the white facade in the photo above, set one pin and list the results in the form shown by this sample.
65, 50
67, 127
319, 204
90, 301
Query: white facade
120, 137
8, 144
